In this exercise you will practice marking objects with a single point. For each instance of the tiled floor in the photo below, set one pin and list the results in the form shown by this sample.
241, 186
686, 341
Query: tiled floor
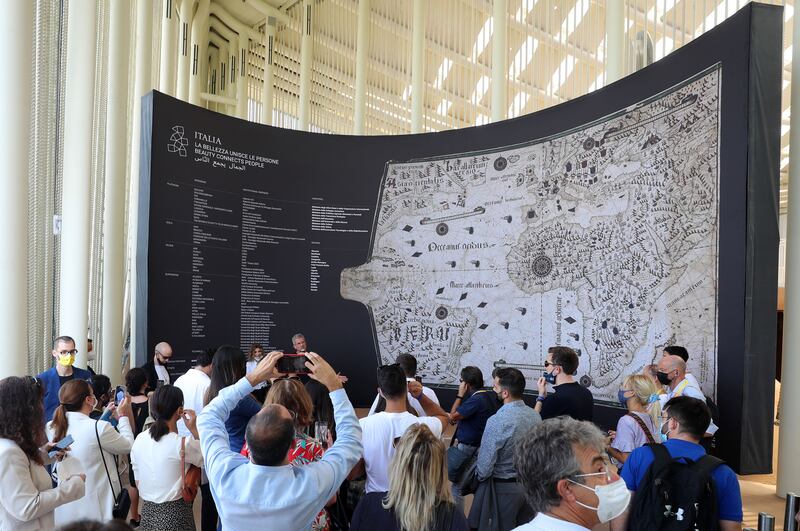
758, 491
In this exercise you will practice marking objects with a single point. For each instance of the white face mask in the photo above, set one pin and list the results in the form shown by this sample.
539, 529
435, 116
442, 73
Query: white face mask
612, 499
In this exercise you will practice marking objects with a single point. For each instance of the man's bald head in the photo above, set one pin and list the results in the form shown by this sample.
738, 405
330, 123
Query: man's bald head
269, 435
162, 352
670, 364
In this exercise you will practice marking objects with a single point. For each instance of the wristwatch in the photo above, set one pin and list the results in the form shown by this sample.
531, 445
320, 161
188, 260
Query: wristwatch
540, 398
459, 397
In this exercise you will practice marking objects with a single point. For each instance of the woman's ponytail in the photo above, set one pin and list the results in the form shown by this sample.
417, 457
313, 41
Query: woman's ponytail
158, 428
60, 423
166, 400
71, 397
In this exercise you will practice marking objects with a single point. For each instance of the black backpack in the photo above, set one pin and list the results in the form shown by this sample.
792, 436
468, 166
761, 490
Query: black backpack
676, 494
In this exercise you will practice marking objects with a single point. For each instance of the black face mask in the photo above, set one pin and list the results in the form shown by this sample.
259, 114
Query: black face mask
663, 378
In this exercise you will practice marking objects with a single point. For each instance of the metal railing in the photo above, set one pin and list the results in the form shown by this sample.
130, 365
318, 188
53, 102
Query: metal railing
766, 521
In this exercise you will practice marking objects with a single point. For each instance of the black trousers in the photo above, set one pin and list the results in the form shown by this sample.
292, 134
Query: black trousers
209, 509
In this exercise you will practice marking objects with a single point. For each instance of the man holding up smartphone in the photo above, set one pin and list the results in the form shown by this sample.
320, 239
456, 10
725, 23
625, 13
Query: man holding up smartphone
262, 490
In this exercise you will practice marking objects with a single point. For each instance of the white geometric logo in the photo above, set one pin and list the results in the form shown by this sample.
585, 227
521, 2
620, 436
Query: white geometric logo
178, 141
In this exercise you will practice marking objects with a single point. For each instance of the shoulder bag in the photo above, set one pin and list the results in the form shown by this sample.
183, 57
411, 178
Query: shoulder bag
644, 428
468, 483
122, 502
191, 477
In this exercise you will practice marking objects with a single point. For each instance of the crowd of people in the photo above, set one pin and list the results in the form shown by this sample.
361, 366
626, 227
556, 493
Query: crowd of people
285, 450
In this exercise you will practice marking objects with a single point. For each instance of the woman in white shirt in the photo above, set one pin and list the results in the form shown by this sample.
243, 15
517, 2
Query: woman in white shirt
27, 496
156, 458
77, 401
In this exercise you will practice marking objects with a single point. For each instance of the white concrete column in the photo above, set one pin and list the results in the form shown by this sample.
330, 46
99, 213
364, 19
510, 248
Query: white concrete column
77, 169
788, 463
241, 77
268, 90
230, 74
615, 40
169, 48
362, 53
112, 340
142, 84
213, 75
184, 48
198, 78
306, 60
16, 38
223, 78
417, 65
499, 60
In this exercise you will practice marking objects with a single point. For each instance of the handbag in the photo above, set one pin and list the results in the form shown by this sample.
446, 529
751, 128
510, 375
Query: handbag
468, 483
191, 477
122, 502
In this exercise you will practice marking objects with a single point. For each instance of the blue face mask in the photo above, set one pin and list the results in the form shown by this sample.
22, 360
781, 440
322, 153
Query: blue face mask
549, 378
621, 397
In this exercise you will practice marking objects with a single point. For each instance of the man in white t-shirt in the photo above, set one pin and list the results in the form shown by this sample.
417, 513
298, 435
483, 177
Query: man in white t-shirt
381, 430
408, 363
194, 384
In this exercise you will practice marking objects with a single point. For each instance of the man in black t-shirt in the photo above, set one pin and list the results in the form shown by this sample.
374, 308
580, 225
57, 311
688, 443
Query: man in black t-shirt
570, 398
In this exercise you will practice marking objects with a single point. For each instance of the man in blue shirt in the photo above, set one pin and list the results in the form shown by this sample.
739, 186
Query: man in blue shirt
64, 352
685, 420
503, 434
472, 408
265, 491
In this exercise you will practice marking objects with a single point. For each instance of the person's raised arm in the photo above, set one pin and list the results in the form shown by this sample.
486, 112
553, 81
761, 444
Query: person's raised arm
211, 421
118, 442
462, 391
541, 385
431, 408
340, 458
190, 420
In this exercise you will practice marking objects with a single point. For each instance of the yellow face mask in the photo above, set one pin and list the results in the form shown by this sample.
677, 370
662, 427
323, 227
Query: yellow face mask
66, 360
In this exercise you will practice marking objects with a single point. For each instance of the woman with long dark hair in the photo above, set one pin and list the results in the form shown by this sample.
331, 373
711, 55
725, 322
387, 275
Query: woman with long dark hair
156, 459
94, 451
27, 496
228, 368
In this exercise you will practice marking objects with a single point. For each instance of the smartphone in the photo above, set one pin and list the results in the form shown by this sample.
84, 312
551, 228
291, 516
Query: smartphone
60, 445
119, 394
159, 383
292, 363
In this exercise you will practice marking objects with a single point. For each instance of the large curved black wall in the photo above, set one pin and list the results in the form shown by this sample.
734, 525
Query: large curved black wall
239, 244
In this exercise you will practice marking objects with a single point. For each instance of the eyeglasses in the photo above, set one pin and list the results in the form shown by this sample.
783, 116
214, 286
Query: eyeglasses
72, 352
549, 364
605, 473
